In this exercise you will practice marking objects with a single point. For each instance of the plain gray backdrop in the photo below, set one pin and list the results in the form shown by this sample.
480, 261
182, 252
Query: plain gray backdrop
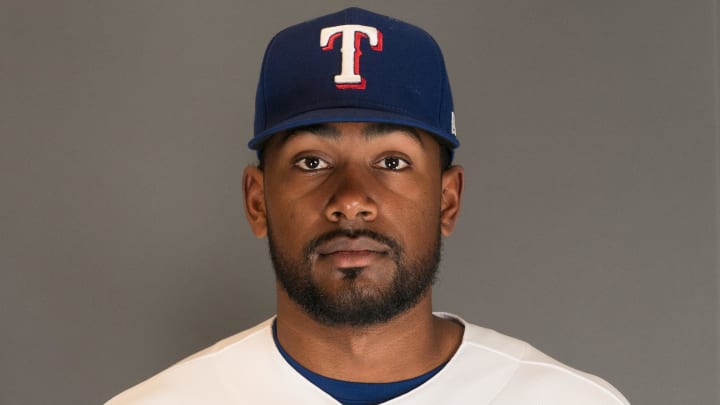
589, 227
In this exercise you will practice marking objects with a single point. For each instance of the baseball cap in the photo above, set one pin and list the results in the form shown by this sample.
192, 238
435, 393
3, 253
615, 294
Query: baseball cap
353, 66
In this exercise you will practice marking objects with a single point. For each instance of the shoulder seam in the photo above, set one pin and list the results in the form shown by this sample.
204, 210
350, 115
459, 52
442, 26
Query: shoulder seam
564, 369
211, 351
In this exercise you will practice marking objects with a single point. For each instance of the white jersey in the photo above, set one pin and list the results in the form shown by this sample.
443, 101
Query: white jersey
488, 368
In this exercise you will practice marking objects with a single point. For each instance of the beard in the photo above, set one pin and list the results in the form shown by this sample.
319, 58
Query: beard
357, 305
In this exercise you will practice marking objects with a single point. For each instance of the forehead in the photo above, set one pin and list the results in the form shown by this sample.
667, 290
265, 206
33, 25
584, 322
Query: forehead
340, 131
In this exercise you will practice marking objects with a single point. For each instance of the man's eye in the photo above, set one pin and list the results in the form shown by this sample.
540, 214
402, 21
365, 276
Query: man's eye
311, 163
393, 163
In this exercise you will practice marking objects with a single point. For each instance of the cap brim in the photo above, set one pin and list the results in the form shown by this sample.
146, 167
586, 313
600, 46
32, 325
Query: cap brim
350, 115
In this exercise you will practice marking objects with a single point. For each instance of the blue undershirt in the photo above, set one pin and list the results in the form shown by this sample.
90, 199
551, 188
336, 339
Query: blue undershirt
356, 393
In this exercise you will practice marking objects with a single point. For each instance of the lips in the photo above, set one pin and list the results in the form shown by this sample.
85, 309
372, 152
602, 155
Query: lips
352, 246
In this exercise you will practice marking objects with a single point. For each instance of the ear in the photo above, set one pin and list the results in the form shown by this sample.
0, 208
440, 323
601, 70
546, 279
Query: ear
254, 193
452, 187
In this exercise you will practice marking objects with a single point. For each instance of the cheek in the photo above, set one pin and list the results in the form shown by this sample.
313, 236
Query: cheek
293, 208
290, 220
416, 215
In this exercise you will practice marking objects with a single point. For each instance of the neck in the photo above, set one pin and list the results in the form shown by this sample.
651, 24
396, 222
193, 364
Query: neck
404, 347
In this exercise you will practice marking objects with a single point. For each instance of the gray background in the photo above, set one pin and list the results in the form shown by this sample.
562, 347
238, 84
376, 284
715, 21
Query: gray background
589, 224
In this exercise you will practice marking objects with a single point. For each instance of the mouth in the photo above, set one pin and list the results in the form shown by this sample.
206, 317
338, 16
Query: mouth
346, 252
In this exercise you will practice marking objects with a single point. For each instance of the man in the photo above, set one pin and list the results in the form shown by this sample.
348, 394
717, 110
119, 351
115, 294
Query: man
354, 130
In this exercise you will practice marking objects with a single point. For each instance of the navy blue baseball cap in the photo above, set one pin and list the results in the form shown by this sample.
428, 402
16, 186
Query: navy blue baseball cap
353, 66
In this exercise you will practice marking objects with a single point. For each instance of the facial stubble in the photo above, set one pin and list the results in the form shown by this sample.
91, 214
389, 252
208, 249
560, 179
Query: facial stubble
357, 305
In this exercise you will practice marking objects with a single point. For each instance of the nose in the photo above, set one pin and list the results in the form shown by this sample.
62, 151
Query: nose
351, 199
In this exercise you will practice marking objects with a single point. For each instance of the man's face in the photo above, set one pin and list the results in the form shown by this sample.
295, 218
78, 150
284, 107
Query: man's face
353, 213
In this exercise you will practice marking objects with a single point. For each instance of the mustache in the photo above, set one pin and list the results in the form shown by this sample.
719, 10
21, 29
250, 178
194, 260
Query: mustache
353, 233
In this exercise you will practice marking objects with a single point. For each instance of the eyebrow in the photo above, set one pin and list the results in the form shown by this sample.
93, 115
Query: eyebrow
323, 130
371, 130
374, 129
